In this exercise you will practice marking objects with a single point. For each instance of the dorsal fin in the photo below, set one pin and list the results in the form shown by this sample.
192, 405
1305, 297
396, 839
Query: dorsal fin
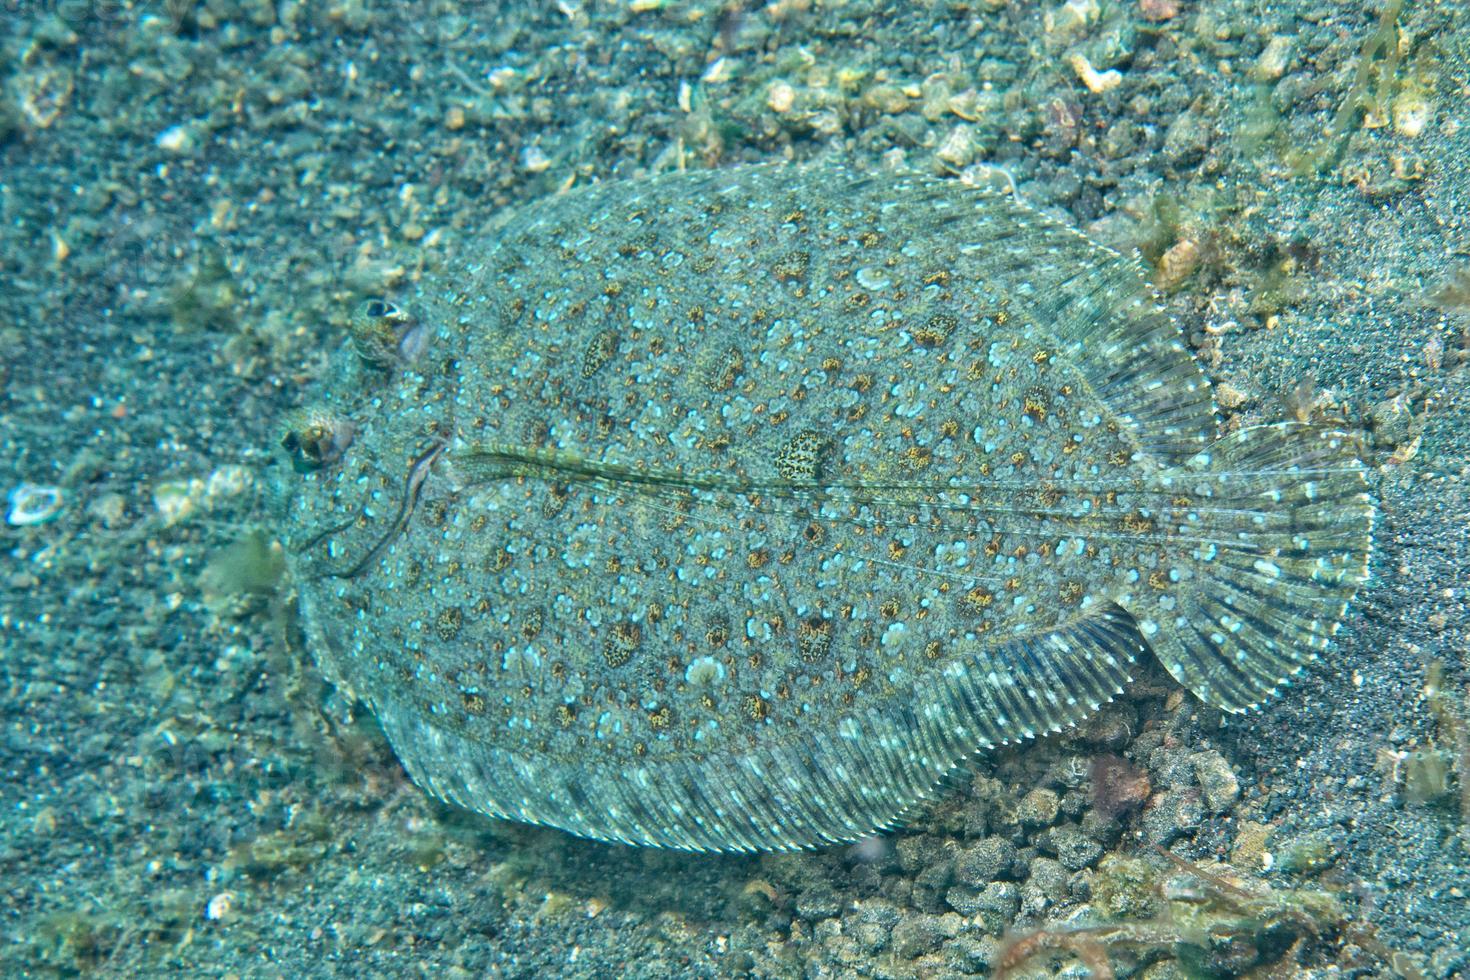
1093, 300
1125, 345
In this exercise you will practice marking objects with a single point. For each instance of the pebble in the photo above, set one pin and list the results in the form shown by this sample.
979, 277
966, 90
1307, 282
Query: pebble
972, 955
1310, 854
986, 861
219, 906
1186, 140
1102, 827
1110, 728
534, 160
32, 503
1038, 808
958, 148
1272, 63
1410, 113
1216, 781
1170, 814
175, 139
1229, 396
1070, 21
1117, 785
780, 97
1157, 11
819, 902
1177, 263
1002, 899
920, 934
877, 911
931, 883
1073, 848
915, 853
1048, 875
1096, 81
964, 899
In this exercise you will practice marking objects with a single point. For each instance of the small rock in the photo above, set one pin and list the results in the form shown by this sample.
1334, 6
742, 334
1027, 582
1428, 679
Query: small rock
1096, 81
1171, 814
930, 885
110, 508
1177, 263
1117, 785
1272, 63
1186, 140
887, 99
177, 500
757, 898
1074, 849
916, 853
1048, 875
1229, 397
42, 92
877, 911
1120, 139
1156, 11
1070, 21
818, 902
1104, 828
964, 899
1038, 808
31, 503
1062, 123
225, 482
917, 935
1034, 900
1111, 727
219, 906
827, 931
780, 97
175, 139
1411, 112
986, 861
971, 954
1125, 888
1002, 899
1218, 783
870, 936
534, 160
958, 148
1249, 847
1392, 421
1068, 771
1308, 854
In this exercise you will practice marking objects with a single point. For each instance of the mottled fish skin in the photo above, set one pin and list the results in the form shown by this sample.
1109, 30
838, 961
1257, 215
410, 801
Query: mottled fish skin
734, 510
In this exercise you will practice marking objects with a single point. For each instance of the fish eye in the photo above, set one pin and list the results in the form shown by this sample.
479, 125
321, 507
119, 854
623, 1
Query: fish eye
384, 334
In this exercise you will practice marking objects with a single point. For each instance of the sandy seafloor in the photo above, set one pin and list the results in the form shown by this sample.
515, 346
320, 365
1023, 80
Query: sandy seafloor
194, 196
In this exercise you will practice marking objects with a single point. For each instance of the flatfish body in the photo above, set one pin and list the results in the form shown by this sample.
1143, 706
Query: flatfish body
734, 510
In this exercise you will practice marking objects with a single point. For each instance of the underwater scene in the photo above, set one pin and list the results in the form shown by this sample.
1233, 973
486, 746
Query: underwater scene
705, 488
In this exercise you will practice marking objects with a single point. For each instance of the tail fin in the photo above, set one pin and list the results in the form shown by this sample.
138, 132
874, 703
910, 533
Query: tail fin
1280, 532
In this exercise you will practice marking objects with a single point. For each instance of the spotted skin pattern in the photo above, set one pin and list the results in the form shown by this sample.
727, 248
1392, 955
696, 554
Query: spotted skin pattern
733, 510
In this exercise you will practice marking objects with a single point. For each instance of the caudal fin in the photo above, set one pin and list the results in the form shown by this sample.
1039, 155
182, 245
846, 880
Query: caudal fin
1279, 528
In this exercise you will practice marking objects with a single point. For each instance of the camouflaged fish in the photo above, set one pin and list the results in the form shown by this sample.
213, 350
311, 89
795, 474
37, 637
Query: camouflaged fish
734, 510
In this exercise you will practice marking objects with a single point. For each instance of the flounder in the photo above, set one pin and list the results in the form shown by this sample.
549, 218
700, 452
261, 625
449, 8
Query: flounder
734, 510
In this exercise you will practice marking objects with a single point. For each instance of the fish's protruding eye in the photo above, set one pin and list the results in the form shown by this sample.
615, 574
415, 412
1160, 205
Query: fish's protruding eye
384, 335
316, 439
